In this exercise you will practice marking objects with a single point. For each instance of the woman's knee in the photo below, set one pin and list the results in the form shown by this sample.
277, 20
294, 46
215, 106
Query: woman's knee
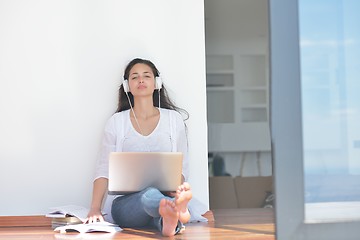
151, 194
151, 190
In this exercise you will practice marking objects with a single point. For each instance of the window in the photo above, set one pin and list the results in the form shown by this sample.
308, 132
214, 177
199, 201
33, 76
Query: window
315, 111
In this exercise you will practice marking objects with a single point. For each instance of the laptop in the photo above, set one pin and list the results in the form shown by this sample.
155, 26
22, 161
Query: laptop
131, 172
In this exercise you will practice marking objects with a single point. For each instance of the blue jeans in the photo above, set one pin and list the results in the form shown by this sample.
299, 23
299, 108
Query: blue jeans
140, 209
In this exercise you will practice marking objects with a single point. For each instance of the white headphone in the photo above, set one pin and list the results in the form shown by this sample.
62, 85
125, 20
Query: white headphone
158, 84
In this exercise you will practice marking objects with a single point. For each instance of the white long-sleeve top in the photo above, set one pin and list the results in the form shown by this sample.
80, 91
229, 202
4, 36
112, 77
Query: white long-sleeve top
120, 136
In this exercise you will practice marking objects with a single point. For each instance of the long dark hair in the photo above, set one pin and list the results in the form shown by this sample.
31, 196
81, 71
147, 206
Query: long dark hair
165, 101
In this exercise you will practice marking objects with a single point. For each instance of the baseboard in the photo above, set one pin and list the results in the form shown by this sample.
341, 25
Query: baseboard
25, 221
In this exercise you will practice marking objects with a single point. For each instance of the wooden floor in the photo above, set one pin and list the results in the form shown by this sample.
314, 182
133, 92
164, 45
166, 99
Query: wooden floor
257, 224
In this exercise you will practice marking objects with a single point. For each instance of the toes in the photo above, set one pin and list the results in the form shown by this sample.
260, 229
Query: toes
186, 186
163, 202
168, 203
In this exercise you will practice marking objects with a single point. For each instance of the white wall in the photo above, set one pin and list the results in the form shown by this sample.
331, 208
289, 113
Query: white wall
60, 67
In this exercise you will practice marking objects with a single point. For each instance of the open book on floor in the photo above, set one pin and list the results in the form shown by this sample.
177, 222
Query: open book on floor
58, 222
69, 215
67, 211
89, 227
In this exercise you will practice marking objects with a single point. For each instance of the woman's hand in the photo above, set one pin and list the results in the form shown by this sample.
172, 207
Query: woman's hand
99, 189
94, 216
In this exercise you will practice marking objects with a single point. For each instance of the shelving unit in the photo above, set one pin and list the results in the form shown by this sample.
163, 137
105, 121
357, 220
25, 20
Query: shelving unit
237, 100
237, 82
253, 88
220, 89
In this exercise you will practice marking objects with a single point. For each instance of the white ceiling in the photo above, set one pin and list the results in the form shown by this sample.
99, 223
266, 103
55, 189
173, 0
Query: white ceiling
236, 19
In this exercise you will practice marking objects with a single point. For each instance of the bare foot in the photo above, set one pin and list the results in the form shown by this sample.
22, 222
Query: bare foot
170, 215
182, 197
